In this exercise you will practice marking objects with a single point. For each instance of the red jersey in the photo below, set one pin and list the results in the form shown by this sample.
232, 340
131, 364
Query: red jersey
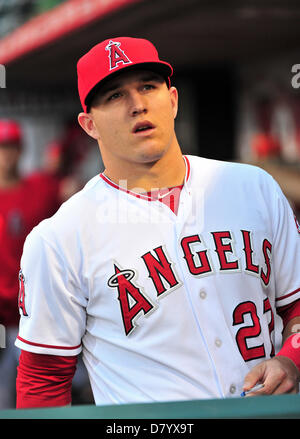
21, 208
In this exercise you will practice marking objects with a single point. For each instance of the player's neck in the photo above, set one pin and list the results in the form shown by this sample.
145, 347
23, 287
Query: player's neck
169, 171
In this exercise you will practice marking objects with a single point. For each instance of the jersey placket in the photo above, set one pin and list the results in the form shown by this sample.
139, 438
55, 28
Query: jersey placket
189, 218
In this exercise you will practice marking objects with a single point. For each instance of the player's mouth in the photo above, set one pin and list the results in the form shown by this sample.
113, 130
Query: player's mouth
143, 128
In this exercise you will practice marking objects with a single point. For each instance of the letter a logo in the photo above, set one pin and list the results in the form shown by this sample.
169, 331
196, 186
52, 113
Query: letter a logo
116, 55
132, 300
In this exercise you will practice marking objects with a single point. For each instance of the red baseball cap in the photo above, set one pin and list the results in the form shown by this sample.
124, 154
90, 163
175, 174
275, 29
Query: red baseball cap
113, 55
10, 131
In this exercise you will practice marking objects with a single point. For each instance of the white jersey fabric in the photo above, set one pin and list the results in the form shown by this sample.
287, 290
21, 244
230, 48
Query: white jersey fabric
164, 307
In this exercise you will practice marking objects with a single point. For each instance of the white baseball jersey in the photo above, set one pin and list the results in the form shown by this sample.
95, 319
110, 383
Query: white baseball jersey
163, 306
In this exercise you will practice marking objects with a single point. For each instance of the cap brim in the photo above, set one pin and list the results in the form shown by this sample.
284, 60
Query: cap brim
160, 67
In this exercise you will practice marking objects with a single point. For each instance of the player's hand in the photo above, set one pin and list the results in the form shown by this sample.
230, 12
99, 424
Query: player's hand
279, 375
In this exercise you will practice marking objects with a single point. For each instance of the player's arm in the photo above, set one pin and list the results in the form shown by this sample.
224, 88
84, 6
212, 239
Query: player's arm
53, 316
281, 374
44, 380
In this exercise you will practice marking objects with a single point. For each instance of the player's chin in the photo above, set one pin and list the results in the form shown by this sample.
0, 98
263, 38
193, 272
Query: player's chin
150, 153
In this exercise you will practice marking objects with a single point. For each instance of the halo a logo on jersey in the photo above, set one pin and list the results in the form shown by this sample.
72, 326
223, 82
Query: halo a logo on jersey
116, 55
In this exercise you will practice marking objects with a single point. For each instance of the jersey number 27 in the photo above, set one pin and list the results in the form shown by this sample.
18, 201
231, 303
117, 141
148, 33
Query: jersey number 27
246, 333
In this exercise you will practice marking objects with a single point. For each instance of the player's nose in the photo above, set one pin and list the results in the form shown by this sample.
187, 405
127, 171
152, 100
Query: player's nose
137, 104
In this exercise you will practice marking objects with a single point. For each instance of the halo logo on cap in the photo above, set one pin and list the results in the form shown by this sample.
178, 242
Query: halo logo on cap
116, 55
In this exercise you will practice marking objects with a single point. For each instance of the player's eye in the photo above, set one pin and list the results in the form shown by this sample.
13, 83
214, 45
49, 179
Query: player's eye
148, 86
114, 96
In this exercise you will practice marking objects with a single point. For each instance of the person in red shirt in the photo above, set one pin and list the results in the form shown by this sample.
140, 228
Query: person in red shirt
24, 202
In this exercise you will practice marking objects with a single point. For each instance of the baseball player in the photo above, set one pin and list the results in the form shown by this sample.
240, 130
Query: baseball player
177, 277
24, 202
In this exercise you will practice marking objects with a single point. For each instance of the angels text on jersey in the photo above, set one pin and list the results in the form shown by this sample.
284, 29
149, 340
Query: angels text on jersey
133, 298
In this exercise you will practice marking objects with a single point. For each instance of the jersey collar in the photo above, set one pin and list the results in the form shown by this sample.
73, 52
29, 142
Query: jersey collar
141, 195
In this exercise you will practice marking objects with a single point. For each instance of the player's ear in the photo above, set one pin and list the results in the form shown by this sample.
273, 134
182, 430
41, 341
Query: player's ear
86, 122
174, 100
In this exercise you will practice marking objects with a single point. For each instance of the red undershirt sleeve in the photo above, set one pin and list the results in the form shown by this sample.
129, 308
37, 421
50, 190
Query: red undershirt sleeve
290, 348
44, 380
288, 312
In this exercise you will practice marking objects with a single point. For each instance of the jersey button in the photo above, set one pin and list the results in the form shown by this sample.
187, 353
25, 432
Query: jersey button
203, 294
232, 389
218, 342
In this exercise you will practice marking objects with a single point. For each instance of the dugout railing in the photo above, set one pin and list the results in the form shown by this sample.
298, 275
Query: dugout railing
265, 407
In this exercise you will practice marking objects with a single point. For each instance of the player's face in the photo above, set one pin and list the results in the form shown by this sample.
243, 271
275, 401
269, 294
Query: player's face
9, 158
133, 118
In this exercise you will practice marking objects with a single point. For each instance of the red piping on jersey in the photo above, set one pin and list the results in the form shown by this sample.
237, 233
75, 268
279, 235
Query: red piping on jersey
47, 345
143, 197
287, 295
188, 168
114, 185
